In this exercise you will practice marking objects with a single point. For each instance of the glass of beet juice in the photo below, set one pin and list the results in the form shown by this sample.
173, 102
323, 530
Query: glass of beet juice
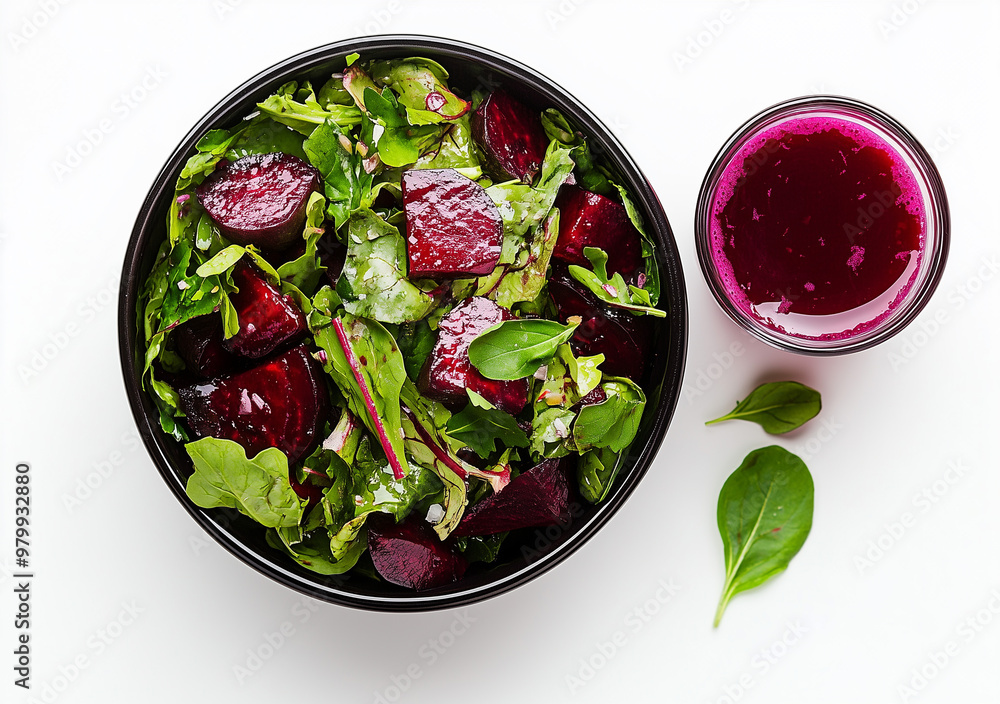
822, 226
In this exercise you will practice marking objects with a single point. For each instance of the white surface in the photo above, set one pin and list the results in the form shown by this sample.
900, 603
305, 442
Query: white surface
887, 432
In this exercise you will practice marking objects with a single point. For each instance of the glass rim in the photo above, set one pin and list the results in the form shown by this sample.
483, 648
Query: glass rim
937, 232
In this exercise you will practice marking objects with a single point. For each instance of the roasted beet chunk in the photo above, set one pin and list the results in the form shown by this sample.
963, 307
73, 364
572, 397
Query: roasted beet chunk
260, 199
199, 343
267, 319
624, 339
539, 497
453, 227
447, 373
590, 220
281, 403
409, 553
511, 137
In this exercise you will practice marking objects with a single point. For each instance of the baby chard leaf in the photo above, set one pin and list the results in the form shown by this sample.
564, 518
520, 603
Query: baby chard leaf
779, 406
765, 513
515, 349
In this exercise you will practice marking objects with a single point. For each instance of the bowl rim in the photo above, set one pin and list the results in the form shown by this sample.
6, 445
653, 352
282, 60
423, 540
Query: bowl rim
672, 291
936, 209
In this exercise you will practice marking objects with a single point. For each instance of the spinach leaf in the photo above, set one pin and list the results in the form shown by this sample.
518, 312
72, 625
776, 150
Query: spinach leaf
258, 487
373, 283
400, 143
515, 349
362, 358
568, 379
454, 149
779, 406
589, 176
614, 422
420, 84
765, 514
264, 136
596, 472
379, 490
613, 291
416, 340
480, 428
314, 552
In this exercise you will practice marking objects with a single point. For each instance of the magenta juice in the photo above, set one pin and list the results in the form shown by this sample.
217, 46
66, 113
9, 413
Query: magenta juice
817, 227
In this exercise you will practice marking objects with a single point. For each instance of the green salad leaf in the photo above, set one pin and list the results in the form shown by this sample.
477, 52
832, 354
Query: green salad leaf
765, 515
614, 422
779, 406
422, 89
346, 183
259, 487
480, 427
374, 283
515, 349
613, 291
300, 109
596, 472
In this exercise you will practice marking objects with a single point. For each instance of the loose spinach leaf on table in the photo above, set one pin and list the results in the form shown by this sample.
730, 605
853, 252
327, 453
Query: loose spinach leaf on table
515, 349
779, 406
765, 513
258, 487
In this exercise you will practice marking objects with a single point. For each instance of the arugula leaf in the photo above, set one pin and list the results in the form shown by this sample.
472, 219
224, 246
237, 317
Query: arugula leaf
524, 208
527, 283
613, 291
346, 183
779, 406
765, 514
480, 428
373, 283
515, 349
568, 379
550, 432
652, 282
300, 109
364, 361
596, 472
589, 176
614, 422
259, 487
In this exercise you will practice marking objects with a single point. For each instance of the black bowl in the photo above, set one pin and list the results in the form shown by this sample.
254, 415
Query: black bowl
538, 550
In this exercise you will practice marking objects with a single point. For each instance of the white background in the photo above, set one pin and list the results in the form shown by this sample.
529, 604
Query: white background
894, 418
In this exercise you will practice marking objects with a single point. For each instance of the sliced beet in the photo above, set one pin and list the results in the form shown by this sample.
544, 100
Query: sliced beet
409, 553
447, 373
199, 343
595, 396
538, 497
281, 403
511, 137
453, 227
624, 339
591, 220
268, 319
260, 199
